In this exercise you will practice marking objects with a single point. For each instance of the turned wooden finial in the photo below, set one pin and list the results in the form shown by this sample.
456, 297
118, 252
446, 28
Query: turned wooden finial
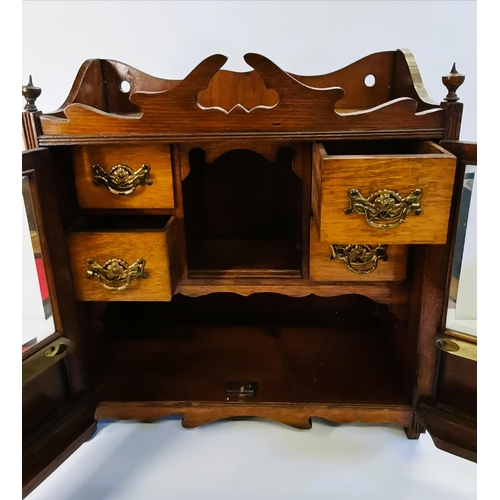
31, 93
452, 82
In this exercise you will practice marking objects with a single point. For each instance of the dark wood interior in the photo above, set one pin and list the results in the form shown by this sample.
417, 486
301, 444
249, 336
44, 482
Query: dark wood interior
89, 223
243, 213
303, 350
386, 147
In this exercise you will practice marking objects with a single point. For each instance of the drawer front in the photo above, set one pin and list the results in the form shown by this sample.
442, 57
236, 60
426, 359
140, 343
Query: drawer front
144, 261
124, 176
394, 199
379, 263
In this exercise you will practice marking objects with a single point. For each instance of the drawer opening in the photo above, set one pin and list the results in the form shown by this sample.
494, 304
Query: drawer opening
110, 223
242, 215
383, 148
308, 350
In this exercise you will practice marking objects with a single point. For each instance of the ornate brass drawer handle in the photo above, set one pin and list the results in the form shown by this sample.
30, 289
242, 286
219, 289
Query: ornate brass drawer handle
116, 274
384, 209
121, 179
360, 259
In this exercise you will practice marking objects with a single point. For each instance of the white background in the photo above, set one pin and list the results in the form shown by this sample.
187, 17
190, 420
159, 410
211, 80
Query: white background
258, 460
168, 39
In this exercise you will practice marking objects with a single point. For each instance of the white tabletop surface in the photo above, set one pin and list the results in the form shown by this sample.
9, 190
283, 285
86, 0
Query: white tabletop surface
257, 459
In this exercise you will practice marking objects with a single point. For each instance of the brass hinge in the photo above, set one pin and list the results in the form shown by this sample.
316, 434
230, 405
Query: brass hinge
457, 347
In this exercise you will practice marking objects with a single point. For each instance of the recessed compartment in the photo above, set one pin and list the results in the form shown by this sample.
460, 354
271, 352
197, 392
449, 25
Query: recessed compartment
123, 176
322, 353
124, 259
389, 192
242, 215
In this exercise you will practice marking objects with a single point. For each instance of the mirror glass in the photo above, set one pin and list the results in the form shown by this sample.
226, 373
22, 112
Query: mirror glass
462, 304
38, 321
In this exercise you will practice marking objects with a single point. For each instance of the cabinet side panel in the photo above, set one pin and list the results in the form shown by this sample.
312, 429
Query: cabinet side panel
316, 187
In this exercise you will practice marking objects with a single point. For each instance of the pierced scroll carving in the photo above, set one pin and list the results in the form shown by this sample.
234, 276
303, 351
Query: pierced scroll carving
228, 91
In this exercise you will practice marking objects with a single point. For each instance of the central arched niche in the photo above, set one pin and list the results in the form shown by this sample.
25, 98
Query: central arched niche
242, 215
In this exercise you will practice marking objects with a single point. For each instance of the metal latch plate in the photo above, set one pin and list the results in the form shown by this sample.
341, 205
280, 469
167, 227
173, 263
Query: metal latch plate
235, 388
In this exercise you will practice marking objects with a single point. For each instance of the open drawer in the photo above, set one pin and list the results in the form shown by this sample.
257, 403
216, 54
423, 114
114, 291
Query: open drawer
391, 192
123, 259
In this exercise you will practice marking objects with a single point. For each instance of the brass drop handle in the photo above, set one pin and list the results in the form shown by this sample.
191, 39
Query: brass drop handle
121, 179
115, 274
384, 209
360, 259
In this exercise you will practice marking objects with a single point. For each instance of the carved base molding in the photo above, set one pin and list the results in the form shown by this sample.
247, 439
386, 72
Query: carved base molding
298, 416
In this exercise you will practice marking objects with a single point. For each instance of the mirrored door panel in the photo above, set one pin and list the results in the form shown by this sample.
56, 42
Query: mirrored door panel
462, 304
38, 321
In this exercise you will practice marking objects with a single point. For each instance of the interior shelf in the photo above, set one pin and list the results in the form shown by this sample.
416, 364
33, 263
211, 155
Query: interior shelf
254, 258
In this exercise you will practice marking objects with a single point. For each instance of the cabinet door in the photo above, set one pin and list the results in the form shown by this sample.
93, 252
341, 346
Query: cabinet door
58, 406
450, 416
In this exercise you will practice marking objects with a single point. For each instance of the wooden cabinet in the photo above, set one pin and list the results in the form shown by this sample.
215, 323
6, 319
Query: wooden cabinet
247, 244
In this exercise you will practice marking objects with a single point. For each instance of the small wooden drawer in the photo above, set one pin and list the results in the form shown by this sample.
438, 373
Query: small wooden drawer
122, 259
390, 266
395, 192
126, 176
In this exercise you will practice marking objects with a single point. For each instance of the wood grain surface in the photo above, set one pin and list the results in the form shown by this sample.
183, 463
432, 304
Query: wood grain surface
150, 245
314, 358
334, 176
294, 415
324, 269
158, 195
225, 105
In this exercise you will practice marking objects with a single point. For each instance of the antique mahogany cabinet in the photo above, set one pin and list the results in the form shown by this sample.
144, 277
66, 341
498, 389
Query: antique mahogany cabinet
247, 244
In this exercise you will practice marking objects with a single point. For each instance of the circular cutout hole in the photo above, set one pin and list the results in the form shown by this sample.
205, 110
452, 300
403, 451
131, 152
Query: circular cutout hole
370, 80
125, 87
